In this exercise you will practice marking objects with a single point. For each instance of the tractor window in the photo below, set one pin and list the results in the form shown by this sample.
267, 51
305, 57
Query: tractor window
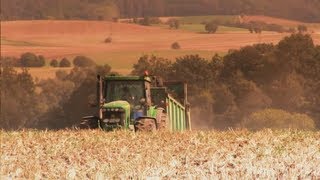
131, 91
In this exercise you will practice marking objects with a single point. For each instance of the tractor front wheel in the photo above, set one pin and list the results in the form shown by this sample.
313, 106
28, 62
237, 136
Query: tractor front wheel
89, 123
145, 124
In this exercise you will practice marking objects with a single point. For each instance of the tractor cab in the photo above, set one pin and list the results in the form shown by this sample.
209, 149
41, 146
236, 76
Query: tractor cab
124, 100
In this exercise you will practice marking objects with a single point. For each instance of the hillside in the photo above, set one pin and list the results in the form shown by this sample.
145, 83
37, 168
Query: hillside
57, 39
98, 155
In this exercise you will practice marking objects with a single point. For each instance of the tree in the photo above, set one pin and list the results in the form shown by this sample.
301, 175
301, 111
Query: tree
174, 23
145, 21
103, 70
211, 27
20, 107
175, 45
277, 119
42, 60
194, 70
108, 39
31, 60
154, 65
302, 28
64, 63
54, 63
83, 61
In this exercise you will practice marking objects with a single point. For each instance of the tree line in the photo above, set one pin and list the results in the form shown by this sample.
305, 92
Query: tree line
304, 10
263, 85
261, 78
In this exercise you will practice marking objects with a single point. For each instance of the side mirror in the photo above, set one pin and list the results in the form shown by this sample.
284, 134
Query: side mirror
143, 101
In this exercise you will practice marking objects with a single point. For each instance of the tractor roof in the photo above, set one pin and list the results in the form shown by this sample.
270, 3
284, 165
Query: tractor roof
127, 78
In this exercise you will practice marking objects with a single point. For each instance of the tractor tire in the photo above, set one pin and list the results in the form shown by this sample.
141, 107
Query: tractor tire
145, 125
89, 124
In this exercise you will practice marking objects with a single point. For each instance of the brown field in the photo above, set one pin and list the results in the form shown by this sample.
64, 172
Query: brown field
65, 38
68, 154
57, 39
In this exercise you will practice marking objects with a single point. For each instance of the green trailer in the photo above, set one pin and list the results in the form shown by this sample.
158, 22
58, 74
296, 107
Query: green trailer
139, 103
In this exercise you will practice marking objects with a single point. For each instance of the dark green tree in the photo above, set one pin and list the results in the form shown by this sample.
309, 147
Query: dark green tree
174, 23
64, 63
302, 28
154, 65
31, 60
54, 63
83, 61
211, 27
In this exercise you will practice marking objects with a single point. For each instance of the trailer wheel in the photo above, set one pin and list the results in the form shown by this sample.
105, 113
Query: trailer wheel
161, 118
89, 123
162, 121
145, 124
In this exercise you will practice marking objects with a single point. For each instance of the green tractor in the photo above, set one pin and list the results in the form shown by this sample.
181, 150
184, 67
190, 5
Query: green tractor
139, 103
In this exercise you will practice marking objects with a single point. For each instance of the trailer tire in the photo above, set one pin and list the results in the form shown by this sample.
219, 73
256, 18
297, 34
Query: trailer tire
145, 124
161, 119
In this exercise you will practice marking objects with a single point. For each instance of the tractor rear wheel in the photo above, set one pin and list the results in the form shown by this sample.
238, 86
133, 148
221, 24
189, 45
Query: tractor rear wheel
145, 124
90, 123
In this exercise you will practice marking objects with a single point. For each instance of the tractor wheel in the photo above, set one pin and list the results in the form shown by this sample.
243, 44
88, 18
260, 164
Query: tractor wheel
145, 124
89, 124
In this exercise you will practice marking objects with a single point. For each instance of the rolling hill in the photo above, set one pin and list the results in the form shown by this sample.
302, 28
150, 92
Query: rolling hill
57, 39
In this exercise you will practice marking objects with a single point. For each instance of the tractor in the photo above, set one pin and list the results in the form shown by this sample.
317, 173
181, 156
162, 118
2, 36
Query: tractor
139, 103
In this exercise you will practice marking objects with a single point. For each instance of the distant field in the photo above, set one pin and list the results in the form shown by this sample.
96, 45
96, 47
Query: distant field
201, 19
68, 154
199, 28
58, 39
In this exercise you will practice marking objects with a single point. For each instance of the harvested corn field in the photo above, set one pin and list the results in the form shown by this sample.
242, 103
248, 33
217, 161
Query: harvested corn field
122, 154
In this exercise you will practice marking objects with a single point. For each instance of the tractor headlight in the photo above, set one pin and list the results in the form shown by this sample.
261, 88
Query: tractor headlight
115, 110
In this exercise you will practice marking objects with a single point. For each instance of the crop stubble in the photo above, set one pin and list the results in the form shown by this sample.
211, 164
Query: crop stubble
96, 154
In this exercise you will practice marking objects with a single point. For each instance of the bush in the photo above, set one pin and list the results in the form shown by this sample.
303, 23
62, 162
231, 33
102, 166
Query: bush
155, 20
211, 27
83, 61
174, 23
10, 61
291, 30
302, 28
145, 21
64, 63
54, 63
31, 60
42, 60
175, 45
278, 119
108, 40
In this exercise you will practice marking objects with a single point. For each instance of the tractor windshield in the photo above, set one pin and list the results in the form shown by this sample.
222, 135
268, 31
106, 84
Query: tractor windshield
130, 91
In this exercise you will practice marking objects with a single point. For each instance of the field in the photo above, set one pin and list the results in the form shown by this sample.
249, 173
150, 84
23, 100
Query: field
58, 39
68, 154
